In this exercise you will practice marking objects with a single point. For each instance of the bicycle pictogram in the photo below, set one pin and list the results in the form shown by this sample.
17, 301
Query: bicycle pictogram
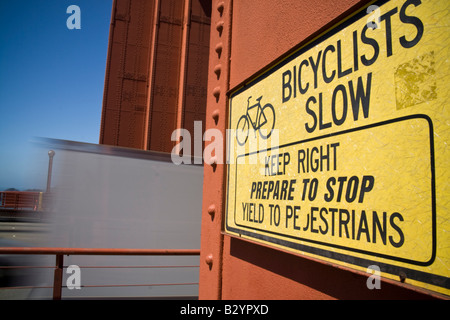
264, 121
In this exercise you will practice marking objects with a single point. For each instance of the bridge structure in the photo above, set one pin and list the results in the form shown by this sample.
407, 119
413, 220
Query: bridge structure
16, 202
355, 93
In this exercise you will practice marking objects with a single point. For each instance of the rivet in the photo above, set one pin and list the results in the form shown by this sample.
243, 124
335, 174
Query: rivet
213, 163
216, 92
219, 48
402, 276
215, 115
217, 70
212, 210
220, 7
209, 259
219, 27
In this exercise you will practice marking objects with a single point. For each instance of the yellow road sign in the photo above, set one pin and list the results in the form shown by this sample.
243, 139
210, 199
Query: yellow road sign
339, 150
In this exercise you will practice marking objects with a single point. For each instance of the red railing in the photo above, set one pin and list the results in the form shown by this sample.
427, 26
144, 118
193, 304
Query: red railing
21, 200
61, 252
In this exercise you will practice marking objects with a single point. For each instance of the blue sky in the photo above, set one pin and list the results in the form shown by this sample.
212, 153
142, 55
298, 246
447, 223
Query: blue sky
51, 82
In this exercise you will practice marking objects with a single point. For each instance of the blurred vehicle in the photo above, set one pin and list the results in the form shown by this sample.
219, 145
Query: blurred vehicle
17, 275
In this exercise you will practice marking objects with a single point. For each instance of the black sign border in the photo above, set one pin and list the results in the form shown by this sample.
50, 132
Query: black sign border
361, 251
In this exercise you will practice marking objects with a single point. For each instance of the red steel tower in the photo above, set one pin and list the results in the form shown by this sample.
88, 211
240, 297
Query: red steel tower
156, 74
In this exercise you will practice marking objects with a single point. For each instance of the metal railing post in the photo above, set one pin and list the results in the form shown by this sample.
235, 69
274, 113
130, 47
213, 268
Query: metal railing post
57, 280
